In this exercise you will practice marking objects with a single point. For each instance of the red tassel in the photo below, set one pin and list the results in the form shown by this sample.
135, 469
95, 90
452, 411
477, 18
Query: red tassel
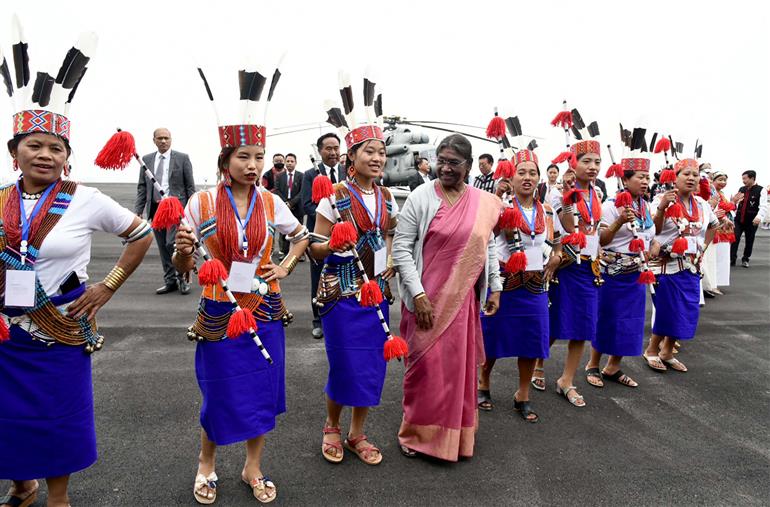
573, 161
342, 232
623, 199
667, 176
572, 196
118, 151
680, 246
719, 237
168, 214
726, 206
577, 239
211, 272
496, 128
704, 189
563, 119
615, 171
505, 169
371, 295
636, 245
646, 277
5, 333
516, 263
730, 238
675, 210
562, 157
395, 348
240, 323
322, 188
662, 145
511, 219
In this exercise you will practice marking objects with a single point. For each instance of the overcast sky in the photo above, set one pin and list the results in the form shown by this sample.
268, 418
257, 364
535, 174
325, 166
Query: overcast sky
689, 69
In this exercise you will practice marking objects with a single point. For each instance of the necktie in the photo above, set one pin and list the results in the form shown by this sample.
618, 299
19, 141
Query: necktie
159, 177
291, 183
332, 175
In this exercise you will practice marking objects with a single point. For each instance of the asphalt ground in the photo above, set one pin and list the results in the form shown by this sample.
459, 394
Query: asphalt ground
699, 438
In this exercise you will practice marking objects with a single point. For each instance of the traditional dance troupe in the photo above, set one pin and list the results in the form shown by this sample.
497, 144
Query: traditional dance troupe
481, 276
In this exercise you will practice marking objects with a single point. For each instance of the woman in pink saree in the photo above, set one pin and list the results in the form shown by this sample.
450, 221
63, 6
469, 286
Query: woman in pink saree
445, 255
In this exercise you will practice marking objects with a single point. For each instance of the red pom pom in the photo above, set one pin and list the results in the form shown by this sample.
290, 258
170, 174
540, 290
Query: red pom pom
614, 171
726, 206
516, 263
623, 199
168, 214
704, 189
680, 246
496, 128
240, 322
5, 333
667, 176
730, 238
395, 348
675, 210
646, 277
505, 169
662, 145
371, 295
322, 188
719, 237
562, 157
342, 232
511, 219
118, 151
211, 272
636, 245
563, 119
577, 239
572, 196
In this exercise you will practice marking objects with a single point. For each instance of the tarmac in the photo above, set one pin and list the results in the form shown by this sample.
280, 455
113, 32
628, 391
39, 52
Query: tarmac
698, 438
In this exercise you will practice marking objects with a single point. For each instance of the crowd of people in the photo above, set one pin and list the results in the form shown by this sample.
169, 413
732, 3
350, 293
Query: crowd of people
500, 268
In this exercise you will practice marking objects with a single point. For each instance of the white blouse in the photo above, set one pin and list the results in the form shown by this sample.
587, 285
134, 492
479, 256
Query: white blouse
623, 237
670, 231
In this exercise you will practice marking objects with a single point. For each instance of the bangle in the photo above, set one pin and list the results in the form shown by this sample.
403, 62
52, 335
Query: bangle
419, 296
115, 278
389, 262
291, 264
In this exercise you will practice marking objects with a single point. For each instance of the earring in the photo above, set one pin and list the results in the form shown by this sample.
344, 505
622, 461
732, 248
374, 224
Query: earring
15, 165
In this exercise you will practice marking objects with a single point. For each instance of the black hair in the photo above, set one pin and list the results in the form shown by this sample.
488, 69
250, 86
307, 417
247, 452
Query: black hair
750, 173
628, 173
278, 155
352, 150
421, 159
458, 143
290, 155
13, 143
487, 157
224, 156
320, 142
554, 166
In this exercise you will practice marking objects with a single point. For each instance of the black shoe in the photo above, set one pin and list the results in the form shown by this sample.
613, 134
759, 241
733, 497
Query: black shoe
732, 263
745, 263
167, 288
184, 288
318, 333
708, 294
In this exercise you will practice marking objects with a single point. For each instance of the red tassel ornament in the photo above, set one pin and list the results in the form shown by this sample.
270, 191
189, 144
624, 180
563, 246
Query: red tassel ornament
211, 272
727, 206
5, 333
636, 245
371, 295
322, 188
662, 145
342, 232
614, 171
563, 120
496, 128
704, 189
562, 157
396, 347
667, 176
511, 219
240, 323
573, 196
646, 277
675, 210
169, 213
505, 169
577, 239
623, 199
680, 246
516, 263
118, 151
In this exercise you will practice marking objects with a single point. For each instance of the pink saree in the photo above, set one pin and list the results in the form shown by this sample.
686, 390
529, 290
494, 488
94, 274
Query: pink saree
440, 413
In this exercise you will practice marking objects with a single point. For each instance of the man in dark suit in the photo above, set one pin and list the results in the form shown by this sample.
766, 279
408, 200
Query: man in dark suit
752, 206
423, 174
173, 171
329, 147
288, 186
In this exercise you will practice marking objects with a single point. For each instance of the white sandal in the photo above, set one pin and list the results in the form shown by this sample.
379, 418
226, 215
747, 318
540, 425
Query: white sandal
259, 486
210, 482
675, 364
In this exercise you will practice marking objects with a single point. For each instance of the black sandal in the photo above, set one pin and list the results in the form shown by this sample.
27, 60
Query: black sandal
525, 409
485, 400
406, 451
620, 378
594, 372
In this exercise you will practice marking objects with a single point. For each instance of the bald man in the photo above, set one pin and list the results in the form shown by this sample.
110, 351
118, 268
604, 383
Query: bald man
173, 170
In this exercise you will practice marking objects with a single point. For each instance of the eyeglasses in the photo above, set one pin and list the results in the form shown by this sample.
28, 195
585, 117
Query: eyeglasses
451, 162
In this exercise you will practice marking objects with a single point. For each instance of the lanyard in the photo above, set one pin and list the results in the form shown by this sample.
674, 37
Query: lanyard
238, 217
27, 223
530, 221
378, 197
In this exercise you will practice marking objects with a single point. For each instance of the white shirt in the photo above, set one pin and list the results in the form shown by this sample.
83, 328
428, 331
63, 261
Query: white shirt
330, 171
501, 243
425, 177
670, 231
325, 210
623, 237
284, 221
289, 182
67, 247
163, 181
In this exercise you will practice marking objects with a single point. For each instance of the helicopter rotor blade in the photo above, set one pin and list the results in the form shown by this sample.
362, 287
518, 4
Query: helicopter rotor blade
453, 131
318, 126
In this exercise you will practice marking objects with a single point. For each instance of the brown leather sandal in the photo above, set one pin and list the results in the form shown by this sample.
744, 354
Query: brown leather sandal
370, 455
326, 446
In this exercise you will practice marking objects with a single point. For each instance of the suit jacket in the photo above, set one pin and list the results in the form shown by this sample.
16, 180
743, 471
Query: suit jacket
416, 180
282, 189
180, 181
308, 206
